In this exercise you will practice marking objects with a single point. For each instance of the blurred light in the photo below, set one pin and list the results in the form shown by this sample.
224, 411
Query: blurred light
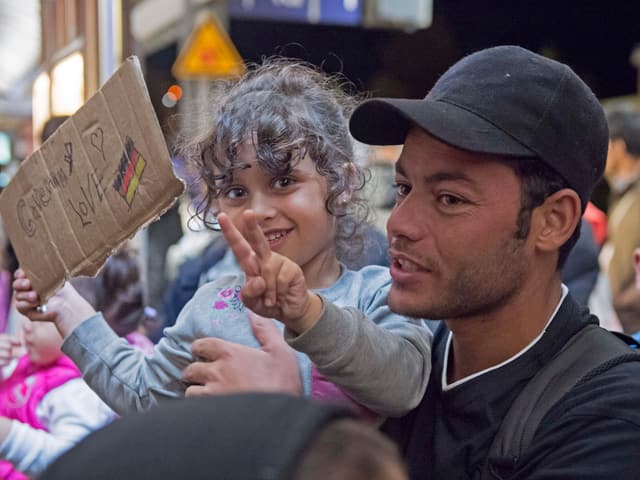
176, 91
67, 85
40, 110
350, 5
5, 148
169, 100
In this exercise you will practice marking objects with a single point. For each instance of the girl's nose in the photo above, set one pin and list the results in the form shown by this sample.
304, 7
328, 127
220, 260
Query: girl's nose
264, 207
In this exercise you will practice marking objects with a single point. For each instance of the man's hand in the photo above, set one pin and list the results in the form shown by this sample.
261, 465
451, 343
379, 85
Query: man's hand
231, 368
275, 286
67, 308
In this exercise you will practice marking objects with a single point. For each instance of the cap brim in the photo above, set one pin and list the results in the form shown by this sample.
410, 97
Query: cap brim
386, 121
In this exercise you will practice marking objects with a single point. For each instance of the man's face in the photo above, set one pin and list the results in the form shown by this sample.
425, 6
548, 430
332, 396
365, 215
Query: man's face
452, 232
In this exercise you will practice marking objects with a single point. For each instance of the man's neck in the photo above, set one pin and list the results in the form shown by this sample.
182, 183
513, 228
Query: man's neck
484, 341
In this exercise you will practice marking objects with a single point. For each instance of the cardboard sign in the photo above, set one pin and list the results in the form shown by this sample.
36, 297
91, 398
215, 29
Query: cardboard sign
104, 174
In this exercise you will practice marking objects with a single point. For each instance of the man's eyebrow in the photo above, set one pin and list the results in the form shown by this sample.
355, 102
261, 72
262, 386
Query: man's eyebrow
438, 176
450, 177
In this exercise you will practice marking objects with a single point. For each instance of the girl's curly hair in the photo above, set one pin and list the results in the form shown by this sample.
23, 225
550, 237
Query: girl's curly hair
287, 109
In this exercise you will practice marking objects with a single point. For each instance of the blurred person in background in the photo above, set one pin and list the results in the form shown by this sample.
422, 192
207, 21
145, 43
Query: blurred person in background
580, 272
117, 291
623, 235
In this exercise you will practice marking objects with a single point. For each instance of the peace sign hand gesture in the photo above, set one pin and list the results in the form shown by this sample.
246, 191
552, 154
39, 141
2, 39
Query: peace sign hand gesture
275, 286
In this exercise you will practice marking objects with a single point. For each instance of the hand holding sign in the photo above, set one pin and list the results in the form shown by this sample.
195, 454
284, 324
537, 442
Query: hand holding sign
275, 285
67, 308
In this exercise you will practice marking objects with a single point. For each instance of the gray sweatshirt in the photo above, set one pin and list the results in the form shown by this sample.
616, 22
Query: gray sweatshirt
389, 377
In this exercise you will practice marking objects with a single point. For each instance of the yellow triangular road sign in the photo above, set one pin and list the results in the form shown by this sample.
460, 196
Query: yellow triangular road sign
208, 53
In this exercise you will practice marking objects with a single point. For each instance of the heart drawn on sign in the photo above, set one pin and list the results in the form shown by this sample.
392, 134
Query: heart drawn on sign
97, 139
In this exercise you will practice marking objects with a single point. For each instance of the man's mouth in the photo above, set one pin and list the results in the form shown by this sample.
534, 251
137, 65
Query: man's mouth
407, 265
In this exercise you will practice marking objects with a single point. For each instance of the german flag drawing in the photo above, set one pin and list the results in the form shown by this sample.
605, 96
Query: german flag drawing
129, 172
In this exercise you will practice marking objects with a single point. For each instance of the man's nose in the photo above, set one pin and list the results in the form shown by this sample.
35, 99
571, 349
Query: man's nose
402, 221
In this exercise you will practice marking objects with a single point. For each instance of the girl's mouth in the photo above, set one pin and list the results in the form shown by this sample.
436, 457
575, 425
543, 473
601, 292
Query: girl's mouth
277, 237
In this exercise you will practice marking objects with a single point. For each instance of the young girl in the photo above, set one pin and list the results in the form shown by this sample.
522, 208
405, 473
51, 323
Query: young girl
118, 293
276, 143
45, 406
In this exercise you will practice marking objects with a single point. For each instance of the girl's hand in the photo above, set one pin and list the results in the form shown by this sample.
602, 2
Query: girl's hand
9, 348
275, 286
67, 308
28, 300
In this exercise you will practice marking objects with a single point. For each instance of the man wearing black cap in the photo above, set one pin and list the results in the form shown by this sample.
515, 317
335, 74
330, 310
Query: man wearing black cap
498, 164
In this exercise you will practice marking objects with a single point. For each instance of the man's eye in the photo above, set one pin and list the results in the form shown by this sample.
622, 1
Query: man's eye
402, 190
450, 200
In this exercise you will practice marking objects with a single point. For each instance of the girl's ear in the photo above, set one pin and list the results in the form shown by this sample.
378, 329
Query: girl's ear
354, 182
556, 219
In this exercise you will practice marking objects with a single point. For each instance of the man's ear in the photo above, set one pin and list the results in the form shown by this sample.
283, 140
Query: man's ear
636, 263
555, 220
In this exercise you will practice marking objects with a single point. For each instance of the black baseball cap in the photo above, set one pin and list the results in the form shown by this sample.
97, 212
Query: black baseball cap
503, 100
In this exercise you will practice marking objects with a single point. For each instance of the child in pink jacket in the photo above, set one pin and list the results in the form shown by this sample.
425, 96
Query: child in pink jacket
45, 406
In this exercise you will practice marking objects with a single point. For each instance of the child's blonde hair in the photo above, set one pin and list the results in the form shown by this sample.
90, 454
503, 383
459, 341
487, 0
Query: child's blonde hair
286, 109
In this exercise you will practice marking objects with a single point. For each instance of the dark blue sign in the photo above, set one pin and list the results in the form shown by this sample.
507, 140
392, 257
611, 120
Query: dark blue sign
339, 12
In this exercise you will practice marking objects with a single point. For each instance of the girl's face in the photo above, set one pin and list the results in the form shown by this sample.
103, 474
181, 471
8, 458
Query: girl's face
291, 212
42, 342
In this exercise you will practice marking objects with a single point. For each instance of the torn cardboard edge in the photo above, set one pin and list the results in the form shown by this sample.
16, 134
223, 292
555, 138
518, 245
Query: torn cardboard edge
102, 176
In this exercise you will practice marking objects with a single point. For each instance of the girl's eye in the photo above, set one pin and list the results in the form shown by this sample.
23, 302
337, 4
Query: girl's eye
283, 182
233, 193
